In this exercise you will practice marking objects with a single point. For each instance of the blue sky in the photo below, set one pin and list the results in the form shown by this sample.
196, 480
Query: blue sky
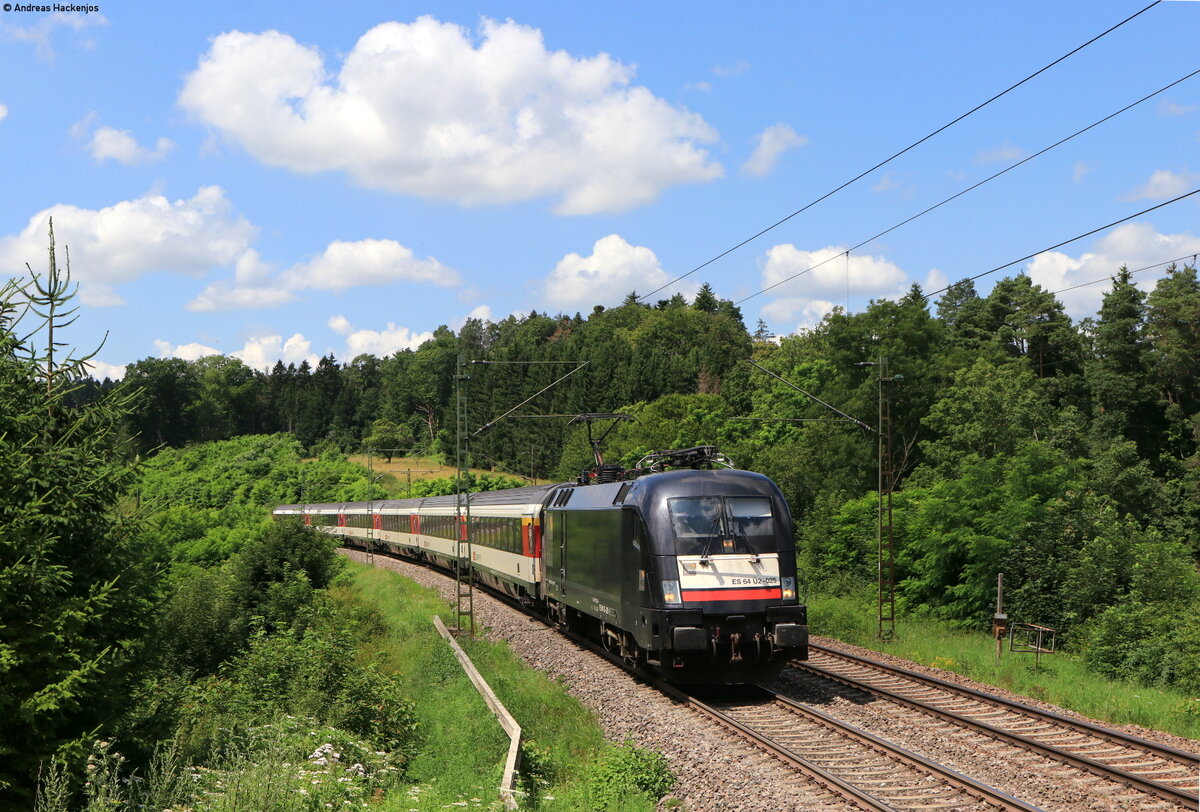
274, 180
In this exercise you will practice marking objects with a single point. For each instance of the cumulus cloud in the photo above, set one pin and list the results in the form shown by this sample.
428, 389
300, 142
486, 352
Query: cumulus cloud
340, 266
366, 262
769, 145
188, 352
1004, 153
262, 352
119, 145
3, 112
482, 312
380, 343
133, 238
614, 269
823, 281
340, 325
1134, 245
1164, 185
101, 370
426, 109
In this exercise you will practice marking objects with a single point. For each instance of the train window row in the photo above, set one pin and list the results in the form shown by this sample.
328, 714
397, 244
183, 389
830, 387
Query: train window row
498, 532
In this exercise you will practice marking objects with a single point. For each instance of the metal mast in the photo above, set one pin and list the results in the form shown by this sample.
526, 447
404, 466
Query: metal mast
465, 586
887, 479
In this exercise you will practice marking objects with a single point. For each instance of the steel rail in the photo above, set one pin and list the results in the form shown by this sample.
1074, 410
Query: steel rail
1094, 766
821, 776
963, 783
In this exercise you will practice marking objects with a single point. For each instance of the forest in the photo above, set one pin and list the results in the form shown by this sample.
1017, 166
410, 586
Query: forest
141, 578
1063, 454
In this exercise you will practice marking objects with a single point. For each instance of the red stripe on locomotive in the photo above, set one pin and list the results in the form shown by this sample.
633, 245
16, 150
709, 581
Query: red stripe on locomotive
732, 594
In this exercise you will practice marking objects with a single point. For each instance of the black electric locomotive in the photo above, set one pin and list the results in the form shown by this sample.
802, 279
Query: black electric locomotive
689, 572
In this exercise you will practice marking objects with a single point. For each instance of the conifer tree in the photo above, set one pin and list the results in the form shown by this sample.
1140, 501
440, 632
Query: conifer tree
76, 584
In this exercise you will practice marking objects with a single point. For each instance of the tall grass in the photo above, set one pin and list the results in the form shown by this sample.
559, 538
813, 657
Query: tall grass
1060, 678
566, 762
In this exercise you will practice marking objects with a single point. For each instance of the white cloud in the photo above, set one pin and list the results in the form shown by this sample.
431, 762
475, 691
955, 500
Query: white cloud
885, 184
263, 351
100, 370
1164, 184
379, 343
342, 265
736, 69
119, 145
1134, 245
806, 312
98, 294
133, 238
391, 339
366, 262
936, 279
188, 352
1081, 171
813, 294
769, 145
3, 112
1004, 153
40, 32
1172, 108
426, 109
699, 87
221, 295
482, 312
613, 270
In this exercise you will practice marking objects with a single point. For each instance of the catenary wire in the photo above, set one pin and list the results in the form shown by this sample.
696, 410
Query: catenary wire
959, 194
896, 155
1064, 242
1131, 273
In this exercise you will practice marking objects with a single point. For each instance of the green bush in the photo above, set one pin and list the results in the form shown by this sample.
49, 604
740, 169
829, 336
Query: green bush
1152, 644
310, 669
630, 770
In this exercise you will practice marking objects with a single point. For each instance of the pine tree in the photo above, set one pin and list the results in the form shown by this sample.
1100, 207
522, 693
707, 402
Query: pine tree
76, 585
1119, 373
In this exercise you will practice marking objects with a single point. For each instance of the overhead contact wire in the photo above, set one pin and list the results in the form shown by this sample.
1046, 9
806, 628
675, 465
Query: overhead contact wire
1064, 242
896, 155
988, 179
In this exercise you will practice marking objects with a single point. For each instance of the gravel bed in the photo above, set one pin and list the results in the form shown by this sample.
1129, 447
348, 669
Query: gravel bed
719, 772
715, 771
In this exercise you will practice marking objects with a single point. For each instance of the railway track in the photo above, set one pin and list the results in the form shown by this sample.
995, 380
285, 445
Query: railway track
1149, 767
866, 770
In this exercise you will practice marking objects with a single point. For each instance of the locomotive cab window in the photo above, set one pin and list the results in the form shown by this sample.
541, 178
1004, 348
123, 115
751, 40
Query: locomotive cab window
713, 525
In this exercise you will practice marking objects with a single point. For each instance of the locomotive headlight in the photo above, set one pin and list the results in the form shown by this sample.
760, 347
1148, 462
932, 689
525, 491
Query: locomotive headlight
671, 593
789, 589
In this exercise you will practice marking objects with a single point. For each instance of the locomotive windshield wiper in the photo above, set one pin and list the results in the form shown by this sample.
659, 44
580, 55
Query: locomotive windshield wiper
740, 535
714, 532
